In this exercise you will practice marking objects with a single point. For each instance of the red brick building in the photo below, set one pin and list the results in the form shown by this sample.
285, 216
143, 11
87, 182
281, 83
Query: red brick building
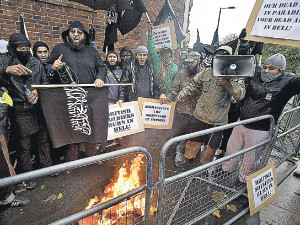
46, 19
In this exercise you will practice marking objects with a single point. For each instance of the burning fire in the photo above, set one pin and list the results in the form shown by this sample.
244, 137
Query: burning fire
124, 183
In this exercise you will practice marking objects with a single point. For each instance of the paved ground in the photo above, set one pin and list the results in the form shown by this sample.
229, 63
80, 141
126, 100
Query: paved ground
285, 209
58, 197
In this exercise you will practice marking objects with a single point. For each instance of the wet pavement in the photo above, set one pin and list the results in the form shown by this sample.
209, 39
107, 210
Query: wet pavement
58, 197
285, 209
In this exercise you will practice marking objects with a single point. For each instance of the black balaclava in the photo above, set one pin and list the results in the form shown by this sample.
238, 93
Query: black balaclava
19, 40
127, 50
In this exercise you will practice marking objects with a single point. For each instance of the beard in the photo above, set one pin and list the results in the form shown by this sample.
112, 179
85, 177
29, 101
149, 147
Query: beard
77, 46
192, 71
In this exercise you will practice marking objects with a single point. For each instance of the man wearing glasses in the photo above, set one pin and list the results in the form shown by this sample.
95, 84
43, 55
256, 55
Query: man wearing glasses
86, 67
266, 93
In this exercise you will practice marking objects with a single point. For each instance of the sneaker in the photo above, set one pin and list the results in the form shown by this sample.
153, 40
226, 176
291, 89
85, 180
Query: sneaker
67, 172
296, 173
29, 185
219, 152
185, 162
19, 201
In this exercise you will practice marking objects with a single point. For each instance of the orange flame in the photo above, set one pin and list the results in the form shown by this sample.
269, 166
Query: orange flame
123, 184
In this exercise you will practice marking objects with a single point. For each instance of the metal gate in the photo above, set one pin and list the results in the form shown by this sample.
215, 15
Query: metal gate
130, 199
187, 197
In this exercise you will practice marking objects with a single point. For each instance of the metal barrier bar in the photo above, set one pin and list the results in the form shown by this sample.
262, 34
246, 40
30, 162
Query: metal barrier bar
282, 116
214, 163
84, 162
245, 211
163, 181
95, 209
286, 139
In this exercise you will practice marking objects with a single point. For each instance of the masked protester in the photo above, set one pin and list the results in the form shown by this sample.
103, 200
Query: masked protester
87, 67
214, 93
114, 73
163, 62
126, 56
18, 68
267, 92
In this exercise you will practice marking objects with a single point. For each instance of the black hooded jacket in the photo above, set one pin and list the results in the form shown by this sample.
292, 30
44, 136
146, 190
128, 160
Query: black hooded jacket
267, 98
130, 93
86, 62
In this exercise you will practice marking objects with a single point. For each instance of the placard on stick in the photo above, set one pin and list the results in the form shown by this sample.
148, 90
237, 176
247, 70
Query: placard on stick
155, 115
125, 120
163, 34
262, 188
275, 21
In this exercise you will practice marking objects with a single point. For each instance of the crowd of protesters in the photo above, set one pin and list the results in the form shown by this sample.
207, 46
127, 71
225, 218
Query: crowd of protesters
203, 100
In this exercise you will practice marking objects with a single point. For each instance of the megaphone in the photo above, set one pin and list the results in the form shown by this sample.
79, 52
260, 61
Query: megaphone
234, 66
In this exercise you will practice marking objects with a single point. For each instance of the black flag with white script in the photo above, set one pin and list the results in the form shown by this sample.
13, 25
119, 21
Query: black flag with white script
75, 115
132, 17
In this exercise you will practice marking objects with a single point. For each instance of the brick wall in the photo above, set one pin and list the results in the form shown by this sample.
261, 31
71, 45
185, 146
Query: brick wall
46, 19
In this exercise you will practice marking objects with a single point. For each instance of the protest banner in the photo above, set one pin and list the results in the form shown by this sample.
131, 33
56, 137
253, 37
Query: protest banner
163, 34
275, 21
125, 120
155, 115
262, 188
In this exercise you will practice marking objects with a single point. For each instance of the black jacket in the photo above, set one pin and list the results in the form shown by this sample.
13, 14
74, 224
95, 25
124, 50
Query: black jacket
129, 93
267, 98
26, 119
86, 63
15, 84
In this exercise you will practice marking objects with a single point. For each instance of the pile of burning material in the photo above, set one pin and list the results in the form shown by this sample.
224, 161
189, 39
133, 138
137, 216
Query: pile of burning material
124, 212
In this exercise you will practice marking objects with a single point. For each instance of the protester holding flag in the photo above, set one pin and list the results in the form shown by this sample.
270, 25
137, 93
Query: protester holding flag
164, 62
211, 110
77, 56
18, 69
267, 92
114, 73
77, 53
144, 77
146, 82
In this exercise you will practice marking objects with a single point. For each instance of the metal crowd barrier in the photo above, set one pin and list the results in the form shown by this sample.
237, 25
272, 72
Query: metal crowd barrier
128, 198
287, 135
192, 195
